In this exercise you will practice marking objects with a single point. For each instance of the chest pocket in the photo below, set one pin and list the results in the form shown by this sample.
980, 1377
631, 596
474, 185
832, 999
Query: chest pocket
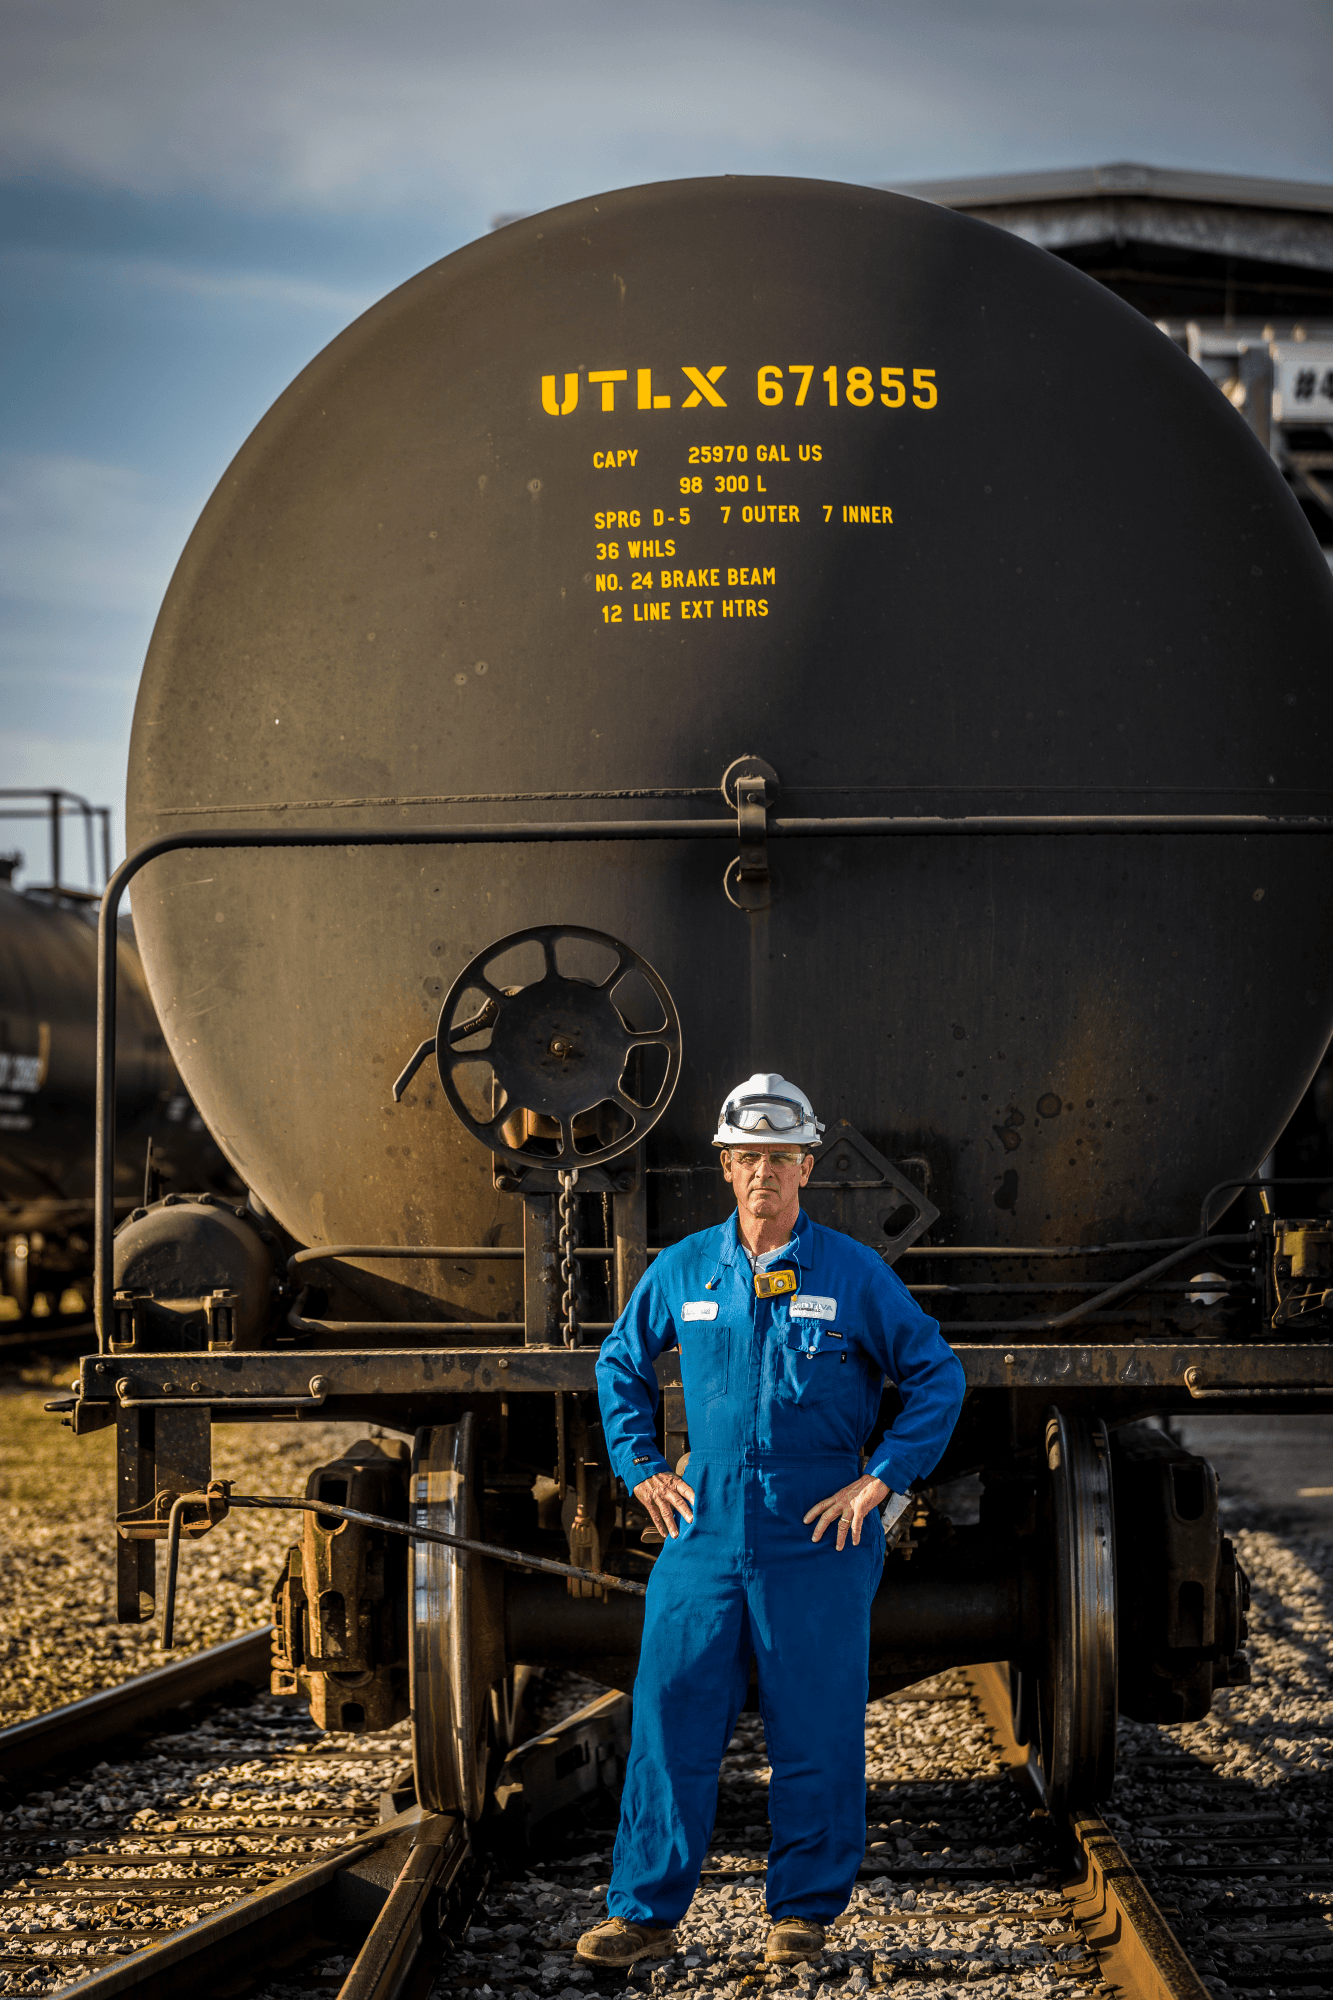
815, 1363
705, 1347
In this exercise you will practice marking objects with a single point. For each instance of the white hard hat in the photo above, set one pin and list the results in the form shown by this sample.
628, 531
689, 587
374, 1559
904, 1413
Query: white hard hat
768, 1110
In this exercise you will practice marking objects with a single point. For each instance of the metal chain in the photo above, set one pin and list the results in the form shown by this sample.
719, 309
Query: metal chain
568, 1274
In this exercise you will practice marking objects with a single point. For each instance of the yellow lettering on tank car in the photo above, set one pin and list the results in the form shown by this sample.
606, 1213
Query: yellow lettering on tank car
608, 377
647, 400
571, 401
703, 390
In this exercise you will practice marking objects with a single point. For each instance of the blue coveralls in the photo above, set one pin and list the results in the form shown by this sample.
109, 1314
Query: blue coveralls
780, 1395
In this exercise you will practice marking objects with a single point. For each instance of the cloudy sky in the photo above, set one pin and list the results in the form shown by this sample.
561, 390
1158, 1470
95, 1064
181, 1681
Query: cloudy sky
196, 195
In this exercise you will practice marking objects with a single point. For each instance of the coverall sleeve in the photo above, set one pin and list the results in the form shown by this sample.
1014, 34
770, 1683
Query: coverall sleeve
627, 1384
928, 1375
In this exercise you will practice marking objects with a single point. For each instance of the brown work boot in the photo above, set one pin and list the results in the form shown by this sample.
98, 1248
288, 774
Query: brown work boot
617, 1943
793, 1939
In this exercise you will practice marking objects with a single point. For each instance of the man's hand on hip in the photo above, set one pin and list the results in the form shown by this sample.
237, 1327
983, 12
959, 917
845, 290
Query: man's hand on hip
663, 1497
849, 1507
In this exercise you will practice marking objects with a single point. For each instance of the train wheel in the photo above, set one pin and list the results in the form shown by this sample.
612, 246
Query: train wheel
457, 1633
1077, 1693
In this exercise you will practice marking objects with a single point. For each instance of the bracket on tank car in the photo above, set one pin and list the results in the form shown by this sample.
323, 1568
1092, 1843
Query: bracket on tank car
460, 1034
852, 1187
750, 786
1298, 1272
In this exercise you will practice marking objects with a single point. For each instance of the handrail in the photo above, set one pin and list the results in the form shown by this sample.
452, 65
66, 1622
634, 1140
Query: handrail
317, 1253
56, 798
1285, 1180
1101, 1300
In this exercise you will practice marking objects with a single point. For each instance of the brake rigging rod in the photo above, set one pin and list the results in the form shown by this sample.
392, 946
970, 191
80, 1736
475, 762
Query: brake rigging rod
515, 1557
222, 1500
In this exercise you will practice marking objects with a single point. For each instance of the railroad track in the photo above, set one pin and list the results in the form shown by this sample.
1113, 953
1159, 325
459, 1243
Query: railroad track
209, 1834
966, 1882
221, 1843
1244, 1871
251, 1842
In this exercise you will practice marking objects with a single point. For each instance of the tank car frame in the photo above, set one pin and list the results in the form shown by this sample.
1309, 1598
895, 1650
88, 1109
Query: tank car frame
1052, 1421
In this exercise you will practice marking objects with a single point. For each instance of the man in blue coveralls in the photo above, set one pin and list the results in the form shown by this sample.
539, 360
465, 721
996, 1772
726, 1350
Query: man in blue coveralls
786, 1332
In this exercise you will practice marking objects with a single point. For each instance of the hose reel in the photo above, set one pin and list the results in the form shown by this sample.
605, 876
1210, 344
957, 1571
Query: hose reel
560, 1051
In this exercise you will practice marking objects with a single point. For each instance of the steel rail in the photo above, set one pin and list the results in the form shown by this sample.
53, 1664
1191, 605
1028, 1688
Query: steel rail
1131, 1941
405, 1935
63, 1732
554, 833
294, 1915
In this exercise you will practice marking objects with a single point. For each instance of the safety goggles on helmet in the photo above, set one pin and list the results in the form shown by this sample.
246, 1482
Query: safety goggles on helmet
767, 1108
764, 1114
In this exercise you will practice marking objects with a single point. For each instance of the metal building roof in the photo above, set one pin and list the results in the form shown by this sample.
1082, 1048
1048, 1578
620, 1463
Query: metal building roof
1126, 177
1075, 209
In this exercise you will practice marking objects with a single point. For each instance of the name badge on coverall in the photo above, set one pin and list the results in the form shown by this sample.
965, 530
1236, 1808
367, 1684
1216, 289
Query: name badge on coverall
810, 1332
699, 1309
807, 1306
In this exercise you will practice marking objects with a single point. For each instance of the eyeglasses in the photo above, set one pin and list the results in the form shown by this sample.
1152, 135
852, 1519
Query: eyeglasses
749, 1161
